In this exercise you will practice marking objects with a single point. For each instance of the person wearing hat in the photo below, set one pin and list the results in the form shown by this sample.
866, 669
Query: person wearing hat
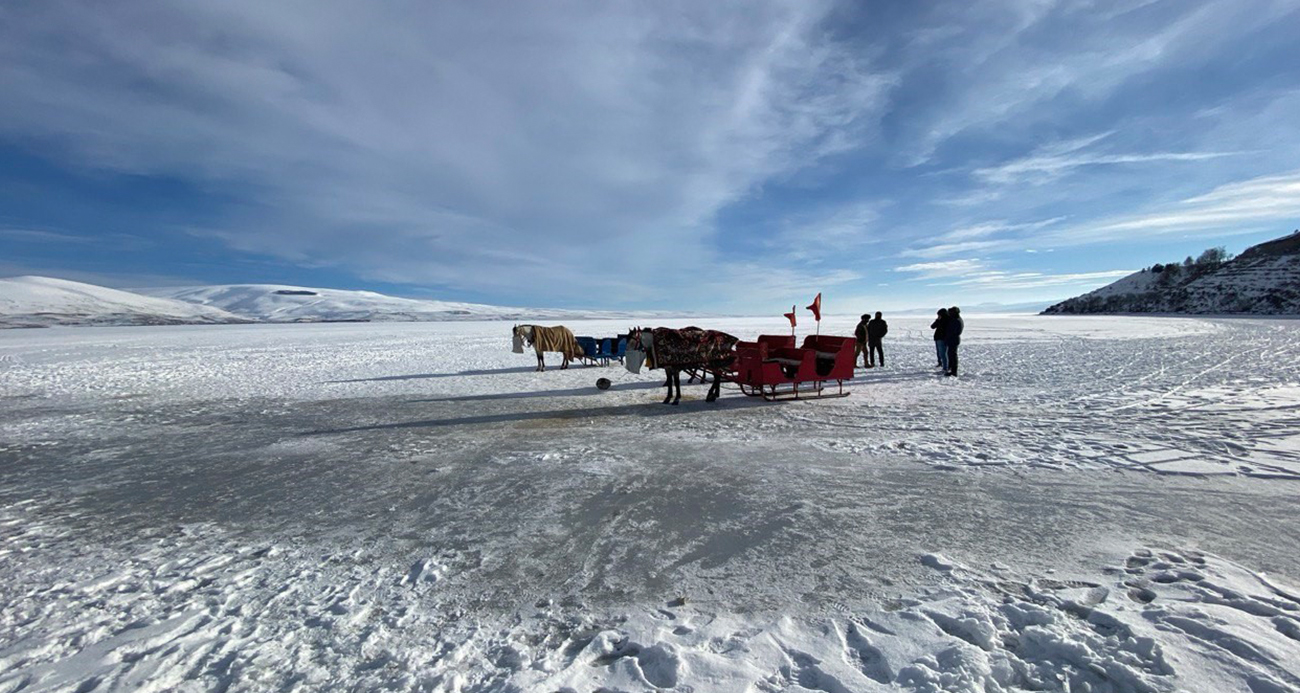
860, 337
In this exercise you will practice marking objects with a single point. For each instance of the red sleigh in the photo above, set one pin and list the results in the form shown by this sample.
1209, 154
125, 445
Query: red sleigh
772, 368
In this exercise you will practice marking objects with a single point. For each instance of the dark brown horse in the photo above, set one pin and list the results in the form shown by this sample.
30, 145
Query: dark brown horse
687, 349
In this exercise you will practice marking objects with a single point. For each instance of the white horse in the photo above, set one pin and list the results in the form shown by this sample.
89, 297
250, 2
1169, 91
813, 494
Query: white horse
557, 339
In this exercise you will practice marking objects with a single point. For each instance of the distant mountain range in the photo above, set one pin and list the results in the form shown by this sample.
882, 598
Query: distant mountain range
1263, 280
45, 302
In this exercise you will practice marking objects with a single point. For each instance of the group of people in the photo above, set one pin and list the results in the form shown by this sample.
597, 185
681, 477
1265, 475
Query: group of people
870, 339
947, 337
870, 336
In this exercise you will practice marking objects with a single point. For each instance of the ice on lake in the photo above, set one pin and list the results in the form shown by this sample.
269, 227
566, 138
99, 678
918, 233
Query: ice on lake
1101, 504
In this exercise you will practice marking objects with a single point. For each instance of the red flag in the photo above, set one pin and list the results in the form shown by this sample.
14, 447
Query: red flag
790, 315
816, 307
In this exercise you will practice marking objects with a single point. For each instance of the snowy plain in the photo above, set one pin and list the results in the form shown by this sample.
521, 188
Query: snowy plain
1096, 504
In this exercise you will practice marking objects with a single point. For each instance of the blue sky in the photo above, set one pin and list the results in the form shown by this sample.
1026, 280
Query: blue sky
706, 156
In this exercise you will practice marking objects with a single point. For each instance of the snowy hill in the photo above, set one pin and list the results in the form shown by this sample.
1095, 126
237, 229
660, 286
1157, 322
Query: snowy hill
277, 303
43, 301
1263, 280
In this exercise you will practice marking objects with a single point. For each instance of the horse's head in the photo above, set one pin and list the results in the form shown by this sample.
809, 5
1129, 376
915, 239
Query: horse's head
521, 335
638, 339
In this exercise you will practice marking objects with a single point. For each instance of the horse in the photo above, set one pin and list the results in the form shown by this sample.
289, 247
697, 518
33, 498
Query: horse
543, 339
688, 349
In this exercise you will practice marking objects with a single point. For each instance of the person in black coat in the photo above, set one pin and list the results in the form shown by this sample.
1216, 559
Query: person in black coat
952, 330
876, 331
860, 340
940, 347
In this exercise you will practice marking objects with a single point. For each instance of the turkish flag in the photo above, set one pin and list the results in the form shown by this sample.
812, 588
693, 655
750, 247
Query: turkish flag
790, 315
816, 307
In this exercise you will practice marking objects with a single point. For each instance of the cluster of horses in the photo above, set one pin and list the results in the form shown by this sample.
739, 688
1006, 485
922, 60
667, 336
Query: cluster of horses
692, 350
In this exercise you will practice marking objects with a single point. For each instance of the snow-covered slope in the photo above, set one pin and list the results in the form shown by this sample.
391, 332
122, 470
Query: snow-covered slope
1136, 283
1264, 280
278, 303
43, 301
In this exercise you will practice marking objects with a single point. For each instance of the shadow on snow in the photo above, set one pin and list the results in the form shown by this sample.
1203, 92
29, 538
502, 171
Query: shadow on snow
641, 409
570, 392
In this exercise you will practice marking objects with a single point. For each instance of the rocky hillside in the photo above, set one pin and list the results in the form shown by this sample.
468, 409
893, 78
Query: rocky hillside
1263, 280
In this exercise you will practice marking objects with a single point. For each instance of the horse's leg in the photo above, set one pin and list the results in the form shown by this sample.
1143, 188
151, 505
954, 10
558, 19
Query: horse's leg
715, 390
565, 364
541, 362
668, 383
677, 382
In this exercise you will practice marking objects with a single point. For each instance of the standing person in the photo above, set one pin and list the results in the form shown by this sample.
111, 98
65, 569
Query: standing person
876, 331
860, 337
940, 347
952, 337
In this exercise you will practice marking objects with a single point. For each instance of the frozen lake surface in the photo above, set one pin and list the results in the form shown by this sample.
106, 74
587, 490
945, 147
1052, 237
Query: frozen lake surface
1097, 503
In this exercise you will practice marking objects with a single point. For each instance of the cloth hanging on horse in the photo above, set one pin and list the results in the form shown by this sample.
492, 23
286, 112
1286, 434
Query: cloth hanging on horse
556, 339
691, 346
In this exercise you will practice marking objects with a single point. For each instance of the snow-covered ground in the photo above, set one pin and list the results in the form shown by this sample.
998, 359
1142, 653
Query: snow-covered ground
44, 301
1096, 504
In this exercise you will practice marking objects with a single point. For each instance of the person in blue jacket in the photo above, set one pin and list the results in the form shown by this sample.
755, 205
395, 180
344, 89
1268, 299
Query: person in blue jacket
952, 337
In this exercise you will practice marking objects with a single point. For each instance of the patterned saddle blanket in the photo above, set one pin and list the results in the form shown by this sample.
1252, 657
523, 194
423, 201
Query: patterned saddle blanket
691, 346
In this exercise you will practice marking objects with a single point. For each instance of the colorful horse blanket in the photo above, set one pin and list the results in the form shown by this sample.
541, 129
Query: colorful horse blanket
557, 339
691, 346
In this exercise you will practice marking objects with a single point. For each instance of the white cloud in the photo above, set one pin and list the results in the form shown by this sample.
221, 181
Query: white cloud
977, 274
947, 268
445, 143
1033, 280
1232, 208
978, 237
947, 249
1035, 60
40, 236
1045, 168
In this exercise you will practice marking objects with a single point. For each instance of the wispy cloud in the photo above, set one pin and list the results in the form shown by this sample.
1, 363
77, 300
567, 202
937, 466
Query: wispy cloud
947, 268
983, 236
581, 152
1045, 168
948, 249
997, 279
978, 274
448, 144
1249, 205
1009, 74
40, 236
